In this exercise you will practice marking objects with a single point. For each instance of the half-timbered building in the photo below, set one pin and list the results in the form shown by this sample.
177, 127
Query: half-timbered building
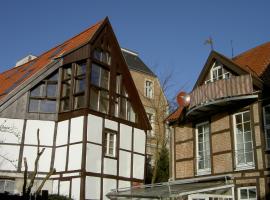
82, 99
221, 128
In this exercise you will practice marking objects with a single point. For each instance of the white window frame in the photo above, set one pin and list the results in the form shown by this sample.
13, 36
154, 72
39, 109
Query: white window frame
266, 127
5, 185
246, 188
149, 90
215, 67
205, 170
107, 135
248, 165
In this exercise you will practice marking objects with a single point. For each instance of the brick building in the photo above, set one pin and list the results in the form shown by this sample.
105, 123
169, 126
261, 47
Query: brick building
222, 128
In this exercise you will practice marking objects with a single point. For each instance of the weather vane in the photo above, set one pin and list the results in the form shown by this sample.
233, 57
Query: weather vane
210, 42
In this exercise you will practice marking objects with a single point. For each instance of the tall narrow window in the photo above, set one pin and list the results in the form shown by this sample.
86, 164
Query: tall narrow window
102, 56
217, 73
43, 96
99, 94
151, 119
110, 143
65, 104
149, 89
203, 148
266, 114
79, 85
243, 140
247, 193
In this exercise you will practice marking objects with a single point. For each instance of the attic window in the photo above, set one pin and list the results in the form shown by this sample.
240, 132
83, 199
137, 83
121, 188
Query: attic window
43, 97
218, 72
102, 56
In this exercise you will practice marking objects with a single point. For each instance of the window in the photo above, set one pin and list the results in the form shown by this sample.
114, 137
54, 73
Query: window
43, 96
102, 56
65, 103
99, 94
110, 144
203, 148
247, 193
7, 186
243, 140
217, 73
151, 119
266, 114
79, 85
149, 89
123, 107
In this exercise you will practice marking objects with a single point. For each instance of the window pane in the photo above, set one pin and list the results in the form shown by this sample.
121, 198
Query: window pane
240, 158
51, 90
239, 129
104, 102
123, 108
106, 58
54, 77
47, 106
116, 107
243, 194
94, 99
238, 119
65, 104
104, 83
80, 69
95, 75
67, 73
37, 91
79, 102
79, 85
118, 83
66, 88
34, 105
98, 54
252, 193
249, 157
246, 117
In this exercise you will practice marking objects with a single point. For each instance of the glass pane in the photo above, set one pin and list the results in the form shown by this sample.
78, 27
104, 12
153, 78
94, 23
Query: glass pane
104, 83
106, 58
240, 158
94, 99
116, 107
67, 73
200, 130
131, 114
79, 102
66, 88
124, 92
246, 126
239, 129
37, 91
248, 146
118, 83
243, 194
80, 69
79, 85
123, 108
200, 146
248, 136
51, 90
104, 102
65, 104
34, 105
246, 116
249, 157
98, 54
47, 106
238, 118
252, 193
201, 164
200, 138
95, 74
53, 77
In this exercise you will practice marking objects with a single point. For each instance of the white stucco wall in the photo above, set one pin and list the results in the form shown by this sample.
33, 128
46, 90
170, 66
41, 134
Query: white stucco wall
125, 136
94, 129
93, 158
92, 187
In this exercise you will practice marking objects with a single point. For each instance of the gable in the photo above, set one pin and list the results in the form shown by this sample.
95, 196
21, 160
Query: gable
92, 78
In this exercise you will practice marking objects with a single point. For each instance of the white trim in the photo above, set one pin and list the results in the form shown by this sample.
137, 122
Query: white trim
249, 187
130, 52
205, 170
249, 165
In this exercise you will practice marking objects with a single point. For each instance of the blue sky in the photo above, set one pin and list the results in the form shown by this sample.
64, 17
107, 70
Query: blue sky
168, 35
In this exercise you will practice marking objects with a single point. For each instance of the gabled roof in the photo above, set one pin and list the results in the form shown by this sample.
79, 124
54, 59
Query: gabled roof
135, 63
17, 75
254, 61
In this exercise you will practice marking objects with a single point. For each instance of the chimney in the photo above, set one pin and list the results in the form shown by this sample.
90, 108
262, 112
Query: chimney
24, 60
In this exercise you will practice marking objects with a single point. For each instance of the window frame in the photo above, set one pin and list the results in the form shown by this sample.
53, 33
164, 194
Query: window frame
246, 188
5, 185
106, 143
216, 67
149, 90
203, 171
266, 128
247, 165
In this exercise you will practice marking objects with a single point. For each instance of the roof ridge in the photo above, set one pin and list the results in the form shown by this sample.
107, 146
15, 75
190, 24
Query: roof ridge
258, 46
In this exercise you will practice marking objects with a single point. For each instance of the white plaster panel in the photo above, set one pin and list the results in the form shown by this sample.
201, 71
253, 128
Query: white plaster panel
60, 158
138, 166
92, 187
94, 129
55, 186
111, 124
64, 188
93, 158
124, 163
76, 129
10, 152
123, 184
75, 157
75, 189
46, 132
62, 133
125, 136
11, 130
108, 185
110, 166
44, 161
139, 141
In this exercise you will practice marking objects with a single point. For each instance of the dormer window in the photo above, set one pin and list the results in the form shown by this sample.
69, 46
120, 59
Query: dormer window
102, 56
218, 72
